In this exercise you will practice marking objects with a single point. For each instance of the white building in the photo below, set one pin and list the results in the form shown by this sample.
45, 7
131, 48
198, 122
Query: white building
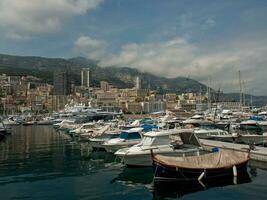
138, 83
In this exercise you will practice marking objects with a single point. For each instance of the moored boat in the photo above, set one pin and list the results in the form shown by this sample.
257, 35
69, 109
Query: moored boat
210, 165
251, 125
127, 138
160, 141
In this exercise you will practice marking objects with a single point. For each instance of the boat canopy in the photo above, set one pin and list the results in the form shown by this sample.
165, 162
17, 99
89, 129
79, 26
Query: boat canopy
188, 137
222, 159
129, 135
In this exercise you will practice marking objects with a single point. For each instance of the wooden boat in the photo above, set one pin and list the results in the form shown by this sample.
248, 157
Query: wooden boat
210, 165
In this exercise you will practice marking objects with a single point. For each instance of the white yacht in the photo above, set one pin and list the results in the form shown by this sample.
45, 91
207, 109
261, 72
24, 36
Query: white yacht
160, 143
127, 138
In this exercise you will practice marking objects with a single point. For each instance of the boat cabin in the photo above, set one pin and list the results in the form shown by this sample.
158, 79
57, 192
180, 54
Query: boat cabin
131, 134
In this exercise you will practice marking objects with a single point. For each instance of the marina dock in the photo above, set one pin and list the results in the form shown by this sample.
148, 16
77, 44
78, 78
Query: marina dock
259, 154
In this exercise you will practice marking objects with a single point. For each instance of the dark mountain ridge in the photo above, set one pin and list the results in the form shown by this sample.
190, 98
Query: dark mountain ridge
122, 77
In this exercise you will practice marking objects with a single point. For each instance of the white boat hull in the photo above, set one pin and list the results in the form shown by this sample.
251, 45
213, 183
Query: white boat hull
143, 159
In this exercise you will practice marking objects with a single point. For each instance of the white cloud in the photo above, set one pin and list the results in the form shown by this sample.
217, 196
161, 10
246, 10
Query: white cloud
178, 57
154, 57
89, 47
24, 18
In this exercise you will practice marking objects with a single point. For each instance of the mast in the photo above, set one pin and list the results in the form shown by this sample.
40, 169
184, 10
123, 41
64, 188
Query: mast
244, 93
209, 94
240, 90
200, 93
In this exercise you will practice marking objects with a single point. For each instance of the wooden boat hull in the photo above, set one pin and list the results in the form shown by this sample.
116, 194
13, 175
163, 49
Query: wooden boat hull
164, 172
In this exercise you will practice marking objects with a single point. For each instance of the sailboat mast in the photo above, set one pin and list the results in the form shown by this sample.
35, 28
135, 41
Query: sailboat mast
240, 90
244, 93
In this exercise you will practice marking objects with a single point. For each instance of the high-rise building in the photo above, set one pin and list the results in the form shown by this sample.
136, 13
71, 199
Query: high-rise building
62, 85
138, 83
85, 77
104, 86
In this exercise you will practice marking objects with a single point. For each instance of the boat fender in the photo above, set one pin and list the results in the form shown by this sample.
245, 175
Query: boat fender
201, 176
234, 171
235, 180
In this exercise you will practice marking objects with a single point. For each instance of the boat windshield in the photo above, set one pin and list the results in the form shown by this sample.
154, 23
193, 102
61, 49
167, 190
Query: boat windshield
87, 126
126, 135
163, 140
112, 136
146, 141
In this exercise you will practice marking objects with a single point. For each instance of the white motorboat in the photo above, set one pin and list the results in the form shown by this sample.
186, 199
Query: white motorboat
97, 131
29, 123
127, 138
221, 135
247, 138
84, 128
134, 124
159, 142
263, 125
249, 125
209, 133
67, 125
62, 123
45, 121
10, 121
96, 143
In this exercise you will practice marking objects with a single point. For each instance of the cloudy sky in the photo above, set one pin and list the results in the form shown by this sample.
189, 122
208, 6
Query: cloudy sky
207, 39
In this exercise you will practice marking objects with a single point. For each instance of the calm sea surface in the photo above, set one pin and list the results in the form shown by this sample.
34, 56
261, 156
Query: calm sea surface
38, 163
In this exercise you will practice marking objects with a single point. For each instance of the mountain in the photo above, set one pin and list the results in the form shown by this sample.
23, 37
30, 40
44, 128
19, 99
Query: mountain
121, 77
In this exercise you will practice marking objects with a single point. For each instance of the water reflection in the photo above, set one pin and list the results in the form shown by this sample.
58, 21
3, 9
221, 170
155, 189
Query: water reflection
177, 189
135, 176
35, 153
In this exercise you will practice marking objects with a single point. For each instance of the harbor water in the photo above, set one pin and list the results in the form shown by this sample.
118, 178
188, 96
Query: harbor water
37, 162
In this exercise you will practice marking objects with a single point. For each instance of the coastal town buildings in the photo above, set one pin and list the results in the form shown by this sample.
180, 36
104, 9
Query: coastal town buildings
28, 93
